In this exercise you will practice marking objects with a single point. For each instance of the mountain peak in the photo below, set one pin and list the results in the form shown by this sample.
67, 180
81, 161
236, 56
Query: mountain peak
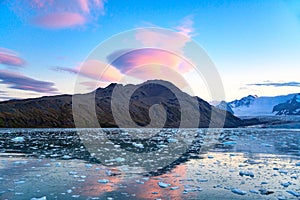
57, 111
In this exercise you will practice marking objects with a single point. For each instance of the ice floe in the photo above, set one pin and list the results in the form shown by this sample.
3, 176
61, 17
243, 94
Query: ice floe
163, 185
238, 191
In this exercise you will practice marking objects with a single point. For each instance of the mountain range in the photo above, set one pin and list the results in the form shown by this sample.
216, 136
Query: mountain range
253, 105
57, 111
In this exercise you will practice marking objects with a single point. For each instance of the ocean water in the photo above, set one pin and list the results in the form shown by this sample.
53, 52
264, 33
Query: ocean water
138, 164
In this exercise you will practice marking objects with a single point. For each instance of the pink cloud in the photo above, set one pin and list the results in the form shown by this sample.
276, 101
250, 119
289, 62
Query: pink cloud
151, 57
167, 40
92, 85
186, 26
10, 58
95, 70
84, 5
60, 20
58, 14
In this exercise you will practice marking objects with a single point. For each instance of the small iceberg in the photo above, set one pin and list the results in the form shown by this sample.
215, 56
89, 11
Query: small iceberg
163, 185
104, 181
296, 194
286, 184
39, 198
18, 139
229, 143
138, 145
238, 191
244, 173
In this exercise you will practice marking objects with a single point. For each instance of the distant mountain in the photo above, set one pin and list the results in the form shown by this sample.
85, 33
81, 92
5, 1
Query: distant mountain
56, 111
243, 102
290, 107
223, 105
264, 106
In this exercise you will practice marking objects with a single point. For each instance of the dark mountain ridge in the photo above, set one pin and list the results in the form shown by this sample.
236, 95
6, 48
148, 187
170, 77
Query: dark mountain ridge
57, 111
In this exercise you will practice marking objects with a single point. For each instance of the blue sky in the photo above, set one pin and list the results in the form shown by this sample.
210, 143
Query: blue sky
255, 45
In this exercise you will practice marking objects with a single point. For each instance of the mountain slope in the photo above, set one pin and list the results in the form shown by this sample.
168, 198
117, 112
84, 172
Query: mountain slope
56, 111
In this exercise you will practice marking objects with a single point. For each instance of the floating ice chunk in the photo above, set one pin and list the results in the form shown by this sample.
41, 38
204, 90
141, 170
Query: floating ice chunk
104, 181
19, 182
39, 198
174, 188
76, 196
298, 164
296, 194
163, 185
286, 184
58, 164
238, 191
66, 157
119, 159
172, 140
18, 139
244, 173
294, 177
266, 145
88, 165
69, 191
191, 190
282, 171
138, 145
108, 172
281, 198
265, 191
139, 182
253, 191
229, 143
210, 157
146, 178
72, 173
202, 180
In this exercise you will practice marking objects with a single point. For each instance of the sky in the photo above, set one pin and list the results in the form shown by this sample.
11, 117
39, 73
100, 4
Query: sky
46, 45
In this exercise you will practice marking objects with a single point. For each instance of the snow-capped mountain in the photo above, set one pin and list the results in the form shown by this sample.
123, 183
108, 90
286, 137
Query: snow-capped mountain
290, 107
223, 105
264, 106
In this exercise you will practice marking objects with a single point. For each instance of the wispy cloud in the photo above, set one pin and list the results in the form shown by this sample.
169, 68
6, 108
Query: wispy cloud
186, 26
95, 70
10, 58
21, 82
58, 14
277, 84
60, 20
